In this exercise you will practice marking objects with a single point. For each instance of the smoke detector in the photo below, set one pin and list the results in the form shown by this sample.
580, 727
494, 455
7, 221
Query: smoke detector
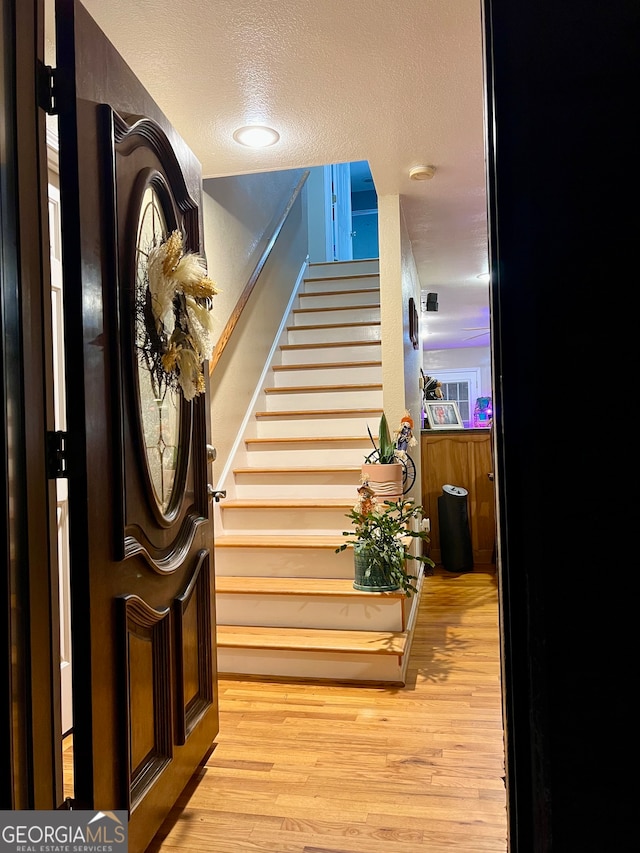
422, 173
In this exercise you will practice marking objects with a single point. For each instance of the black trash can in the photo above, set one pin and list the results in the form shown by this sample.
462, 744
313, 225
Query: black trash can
453, 523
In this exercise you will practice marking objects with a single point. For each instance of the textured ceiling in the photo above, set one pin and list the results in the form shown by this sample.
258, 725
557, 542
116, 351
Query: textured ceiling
394, 82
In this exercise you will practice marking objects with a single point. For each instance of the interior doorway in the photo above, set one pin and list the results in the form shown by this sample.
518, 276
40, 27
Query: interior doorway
364, 211
343, 213
340, 212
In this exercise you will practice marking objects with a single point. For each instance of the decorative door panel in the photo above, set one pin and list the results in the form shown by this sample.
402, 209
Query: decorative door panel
194, 625
163, 494
146, 671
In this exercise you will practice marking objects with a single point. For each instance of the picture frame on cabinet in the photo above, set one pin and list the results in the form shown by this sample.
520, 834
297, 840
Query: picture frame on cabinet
443, 414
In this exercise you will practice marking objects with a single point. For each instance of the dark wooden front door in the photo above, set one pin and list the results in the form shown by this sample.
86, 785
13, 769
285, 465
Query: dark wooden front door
142, 575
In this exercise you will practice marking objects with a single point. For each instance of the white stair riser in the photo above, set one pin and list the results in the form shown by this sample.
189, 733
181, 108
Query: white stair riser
326, 375
318, 283
339, 333
335, 299
284, 562
358, 267
313, 520
325, 355
341, 269
268, 457
310, 665
283, 491
291, 485
284, 426
268, 489
295, 611
355, 314
342, 398
324, 447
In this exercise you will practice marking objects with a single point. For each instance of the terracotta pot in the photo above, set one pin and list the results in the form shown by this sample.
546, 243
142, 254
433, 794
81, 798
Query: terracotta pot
385, 480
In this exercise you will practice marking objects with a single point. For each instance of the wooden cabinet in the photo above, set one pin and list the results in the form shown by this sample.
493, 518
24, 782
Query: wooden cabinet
460, 458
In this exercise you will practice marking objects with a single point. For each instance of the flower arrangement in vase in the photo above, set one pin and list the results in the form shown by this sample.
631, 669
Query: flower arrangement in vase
380, 540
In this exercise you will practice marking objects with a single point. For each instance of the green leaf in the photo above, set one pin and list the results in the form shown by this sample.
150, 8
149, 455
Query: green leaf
387, 448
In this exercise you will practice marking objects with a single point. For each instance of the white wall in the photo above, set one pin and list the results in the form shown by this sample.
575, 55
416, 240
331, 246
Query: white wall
239, 216
319, 240
469, 358
400, 361
412, 357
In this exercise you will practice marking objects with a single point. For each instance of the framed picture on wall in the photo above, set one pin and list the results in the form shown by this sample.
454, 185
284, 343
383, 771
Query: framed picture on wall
414, 324
443, 414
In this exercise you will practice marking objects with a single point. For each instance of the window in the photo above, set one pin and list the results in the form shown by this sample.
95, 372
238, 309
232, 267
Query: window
461, 393
463, 385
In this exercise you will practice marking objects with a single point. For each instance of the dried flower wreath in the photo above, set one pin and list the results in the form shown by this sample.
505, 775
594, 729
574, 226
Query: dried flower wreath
174, 298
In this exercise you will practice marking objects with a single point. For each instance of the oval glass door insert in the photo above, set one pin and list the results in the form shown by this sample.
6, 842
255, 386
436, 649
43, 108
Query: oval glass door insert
159, 402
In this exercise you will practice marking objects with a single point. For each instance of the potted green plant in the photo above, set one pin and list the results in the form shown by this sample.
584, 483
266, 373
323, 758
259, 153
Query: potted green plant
389, 469
380, 541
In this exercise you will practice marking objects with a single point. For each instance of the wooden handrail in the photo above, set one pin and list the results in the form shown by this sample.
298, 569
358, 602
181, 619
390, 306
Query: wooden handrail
253, 278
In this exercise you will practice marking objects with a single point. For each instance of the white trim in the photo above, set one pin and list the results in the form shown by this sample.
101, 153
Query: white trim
460, 374
328, 214
52, 148
411, 621
472, 375
262, 378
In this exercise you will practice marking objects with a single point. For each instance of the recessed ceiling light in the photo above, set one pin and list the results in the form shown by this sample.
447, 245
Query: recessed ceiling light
256, 136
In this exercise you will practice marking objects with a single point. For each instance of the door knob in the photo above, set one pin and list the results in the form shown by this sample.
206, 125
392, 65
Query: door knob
212, 453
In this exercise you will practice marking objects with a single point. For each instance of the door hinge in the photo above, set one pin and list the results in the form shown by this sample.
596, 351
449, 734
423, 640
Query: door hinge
47, 88
56, 455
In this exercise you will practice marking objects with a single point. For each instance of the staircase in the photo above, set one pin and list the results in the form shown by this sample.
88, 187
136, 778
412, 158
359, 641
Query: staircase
285, 602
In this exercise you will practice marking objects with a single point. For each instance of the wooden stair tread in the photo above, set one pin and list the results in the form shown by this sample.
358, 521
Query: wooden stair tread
339, 277
330, 344
315, 310
307, 439
333, 413
301, 503
243, 585
327, 541
333, 326
296, 389
312, 640
301, 469
326, 364
324, 541
340, 292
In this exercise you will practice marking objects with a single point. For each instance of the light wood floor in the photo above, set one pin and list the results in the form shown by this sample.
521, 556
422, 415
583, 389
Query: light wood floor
302, 768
